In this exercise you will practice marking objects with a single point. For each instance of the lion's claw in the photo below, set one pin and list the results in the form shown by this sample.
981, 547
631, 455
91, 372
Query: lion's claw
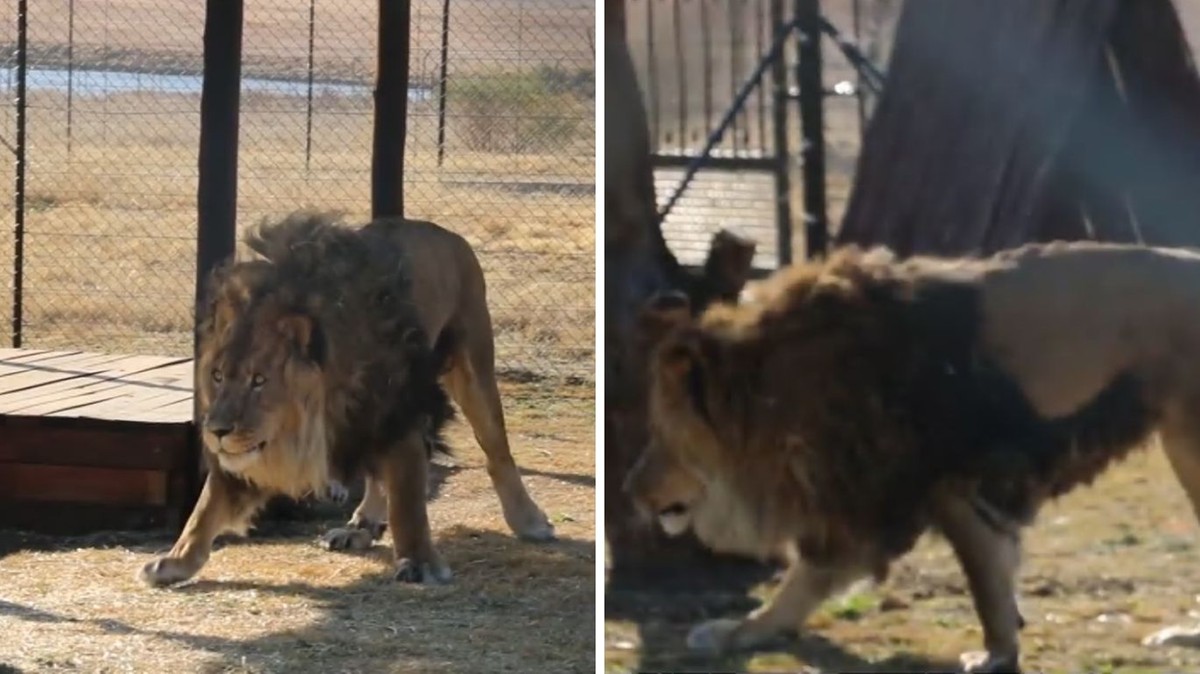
166, 571
981, 662
430, 573
353, 536
712, 637
337, 492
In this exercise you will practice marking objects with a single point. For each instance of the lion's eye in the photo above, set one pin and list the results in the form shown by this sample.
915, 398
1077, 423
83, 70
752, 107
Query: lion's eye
258, 380
217, 375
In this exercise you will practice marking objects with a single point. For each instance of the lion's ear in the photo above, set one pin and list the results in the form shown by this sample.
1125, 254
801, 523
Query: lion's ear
662, 312
303, 333
730, 260
682, 366
224, 299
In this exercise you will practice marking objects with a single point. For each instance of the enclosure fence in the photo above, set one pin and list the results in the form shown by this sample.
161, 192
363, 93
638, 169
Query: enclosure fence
500, 148
746, 68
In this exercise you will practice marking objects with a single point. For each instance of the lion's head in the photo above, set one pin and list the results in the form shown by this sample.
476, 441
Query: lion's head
260, 381
672, 477
750, 444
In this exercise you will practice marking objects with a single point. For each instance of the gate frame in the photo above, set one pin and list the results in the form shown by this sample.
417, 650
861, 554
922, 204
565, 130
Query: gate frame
807, 24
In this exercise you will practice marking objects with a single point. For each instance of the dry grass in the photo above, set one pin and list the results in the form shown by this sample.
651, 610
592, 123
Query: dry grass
277, 603
1104, 567
110, 231
484, 34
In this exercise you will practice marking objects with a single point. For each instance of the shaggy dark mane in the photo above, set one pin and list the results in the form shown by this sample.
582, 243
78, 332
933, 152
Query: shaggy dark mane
355, 285
871, 376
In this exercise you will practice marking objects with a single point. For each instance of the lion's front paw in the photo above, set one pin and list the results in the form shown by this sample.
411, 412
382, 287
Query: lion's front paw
724, 635
531, 524
1176, 635
433, 572
167, 571
337, 492
348, 538
714, 636
982, 662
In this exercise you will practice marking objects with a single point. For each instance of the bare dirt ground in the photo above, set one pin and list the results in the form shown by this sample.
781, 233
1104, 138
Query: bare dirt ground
1104, 567
276, 602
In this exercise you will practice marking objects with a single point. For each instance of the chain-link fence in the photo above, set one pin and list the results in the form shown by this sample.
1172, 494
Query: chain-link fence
500, 149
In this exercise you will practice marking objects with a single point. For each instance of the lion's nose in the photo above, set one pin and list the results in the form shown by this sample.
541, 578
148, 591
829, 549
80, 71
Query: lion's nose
219, 429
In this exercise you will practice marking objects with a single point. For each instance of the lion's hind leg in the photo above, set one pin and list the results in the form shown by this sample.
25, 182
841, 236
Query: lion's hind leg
1180, 438
803, 588
471, 381
365, 525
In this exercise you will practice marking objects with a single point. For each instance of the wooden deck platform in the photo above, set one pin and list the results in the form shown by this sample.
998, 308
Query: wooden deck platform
95, 441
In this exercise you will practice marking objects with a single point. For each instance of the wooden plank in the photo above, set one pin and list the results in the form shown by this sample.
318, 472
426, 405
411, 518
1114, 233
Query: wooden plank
60, 358
11, 353
179, 412
75, 518
172, 408
19, 363
63, 395
179, 373
33, 355
110, 486
123, 398
39, 440
32, 375
135, 398
105, 369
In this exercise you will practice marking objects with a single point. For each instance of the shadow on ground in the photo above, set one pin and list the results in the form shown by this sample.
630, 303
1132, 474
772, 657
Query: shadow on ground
510, 604
665, 603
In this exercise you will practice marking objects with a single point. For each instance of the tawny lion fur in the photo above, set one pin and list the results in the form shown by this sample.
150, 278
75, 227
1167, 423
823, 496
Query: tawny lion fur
849, 406
329, 357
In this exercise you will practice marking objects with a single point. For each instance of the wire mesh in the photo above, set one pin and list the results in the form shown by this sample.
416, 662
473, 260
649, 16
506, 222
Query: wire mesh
501, 147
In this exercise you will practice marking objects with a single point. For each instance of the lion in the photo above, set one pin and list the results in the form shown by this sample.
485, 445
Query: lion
849, 406
330, 356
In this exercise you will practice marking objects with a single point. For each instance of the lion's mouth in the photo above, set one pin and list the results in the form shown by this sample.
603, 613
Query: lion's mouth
247, 451
675, 509
674, 519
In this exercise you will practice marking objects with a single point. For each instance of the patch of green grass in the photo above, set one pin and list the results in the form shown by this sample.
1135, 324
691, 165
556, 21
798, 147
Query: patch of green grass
852, 606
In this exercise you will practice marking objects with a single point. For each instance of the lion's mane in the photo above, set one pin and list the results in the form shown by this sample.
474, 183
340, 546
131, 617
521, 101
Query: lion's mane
831, 403
378, 377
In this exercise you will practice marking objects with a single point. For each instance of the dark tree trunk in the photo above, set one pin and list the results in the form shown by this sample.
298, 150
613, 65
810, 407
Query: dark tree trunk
1011, 121
638, 264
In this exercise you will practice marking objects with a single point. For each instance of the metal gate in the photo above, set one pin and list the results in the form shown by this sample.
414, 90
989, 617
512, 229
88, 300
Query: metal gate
725, 83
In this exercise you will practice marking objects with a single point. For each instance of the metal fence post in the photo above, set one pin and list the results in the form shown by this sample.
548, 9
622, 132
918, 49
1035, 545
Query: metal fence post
19, 181
443, 66
216, 192
391, 109
70, 72
783, 182
308, 109
812, 125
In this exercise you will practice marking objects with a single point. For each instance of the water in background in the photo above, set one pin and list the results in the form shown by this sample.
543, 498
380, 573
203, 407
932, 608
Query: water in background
104, 82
